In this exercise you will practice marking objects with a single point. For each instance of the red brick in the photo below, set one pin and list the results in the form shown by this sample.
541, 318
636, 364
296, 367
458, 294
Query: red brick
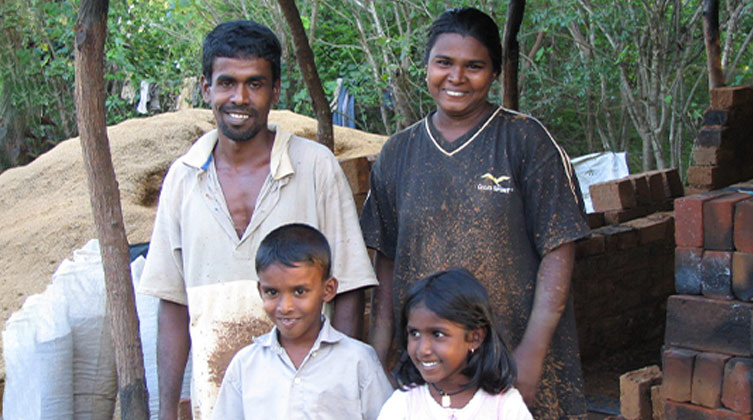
716, 274
742, 275
595, 219
743, 229
615, 217
618, 237
678, 373
683, 411
635, 392
718, 217
713, 325
617, 194
727, 117
712, 156
731, 96
708, 374
357, 172
737, 389
652, 228
688, 270
657, 402
657, 184
590, 245
642, 190
717, 136
689, 218
713, 176
673, 182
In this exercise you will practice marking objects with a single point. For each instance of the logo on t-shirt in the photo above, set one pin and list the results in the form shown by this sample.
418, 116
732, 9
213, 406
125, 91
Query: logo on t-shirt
499, 184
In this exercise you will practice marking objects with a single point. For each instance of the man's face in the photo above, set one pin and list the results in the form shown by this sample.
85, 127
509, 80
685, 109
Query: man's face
241, 94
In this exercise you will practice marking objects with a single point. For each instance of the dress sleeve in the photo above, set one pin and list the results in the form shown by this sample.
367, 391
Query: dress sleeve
395, 408
553, 203
163, 270
229, 405
379, 215
338, 221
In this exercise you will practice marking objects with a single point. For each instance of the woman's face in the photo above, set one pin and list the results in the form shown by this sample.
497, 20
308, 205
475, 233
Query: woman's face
459, 74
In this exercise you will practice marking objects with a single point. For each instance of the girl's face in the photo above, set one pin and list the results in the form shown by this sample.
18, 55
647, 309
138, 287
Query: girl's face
459, 74
439, 347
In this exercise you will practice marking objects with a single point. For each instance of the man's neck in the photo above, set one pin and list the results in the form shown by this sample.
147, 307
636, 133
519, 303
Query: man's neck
255, 151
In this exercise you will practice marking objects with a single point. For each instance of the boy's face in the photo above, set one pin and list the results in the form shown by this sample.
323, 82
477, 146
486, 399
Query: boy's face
293, 299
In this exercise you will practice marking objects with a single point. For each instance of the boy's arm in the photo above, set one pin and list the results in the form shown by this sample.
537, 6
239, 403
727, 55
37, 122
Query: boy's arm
348, 315
381, 328
173, 344
549, 302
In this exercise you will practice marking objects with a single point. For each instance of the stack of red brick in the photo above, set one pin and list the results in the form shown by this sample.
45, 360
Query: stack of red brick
722, 151
708, 358
634, 196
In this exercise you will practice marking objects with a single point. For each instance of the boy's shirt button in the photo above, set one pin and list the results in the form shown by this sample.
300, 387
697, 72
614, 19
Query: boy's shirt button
313, 354
297, 381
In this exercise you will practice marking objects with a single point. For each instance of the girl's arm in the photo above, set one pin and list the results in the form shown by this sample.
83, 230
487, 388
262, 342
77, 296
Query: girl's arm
550, 299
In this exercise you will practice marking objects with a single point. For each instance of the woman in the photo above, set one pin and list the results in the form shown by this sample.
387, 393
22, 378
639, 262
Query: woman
481, 187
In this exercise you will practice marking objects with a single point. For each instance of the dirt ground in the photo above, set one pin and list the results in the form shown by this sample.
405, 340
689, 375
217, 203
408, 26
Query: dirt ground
46, 213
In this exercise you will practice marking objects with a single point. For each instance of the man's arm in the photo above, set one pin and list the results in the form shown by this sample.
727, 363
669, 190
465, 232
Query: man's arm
173, 344
550, 299
348, 316
381, 327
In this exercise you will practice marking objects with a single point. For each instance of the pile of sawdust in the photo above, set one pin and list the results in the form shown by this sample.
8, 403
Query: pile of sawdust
46, 213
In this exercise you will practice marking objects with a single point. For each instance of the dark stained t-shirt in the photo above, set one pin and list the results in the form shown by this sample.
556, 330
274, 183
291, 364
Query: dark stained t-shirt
493, 201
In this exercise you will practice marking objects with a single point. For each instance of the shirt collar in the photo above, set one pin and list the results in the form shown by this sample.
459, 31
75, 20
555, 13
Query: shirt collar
200, 154
328, 334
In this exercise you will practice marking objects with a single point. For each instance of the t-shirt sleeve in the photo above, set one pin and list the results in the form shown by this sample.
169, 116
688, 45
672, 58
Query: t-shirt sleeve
553, 203
375, 389
395, 408
229, 405
163, 270
338, 221
379, 215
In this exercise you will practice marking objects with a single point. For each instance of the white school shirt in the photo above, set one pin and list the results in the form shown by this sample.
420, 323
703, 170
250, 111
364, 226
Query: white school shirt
417, 404
196, 258
340, 379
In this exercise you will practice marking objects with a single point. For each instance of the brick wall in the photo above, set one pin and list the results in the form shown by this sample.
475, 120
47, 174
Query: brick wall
724, 146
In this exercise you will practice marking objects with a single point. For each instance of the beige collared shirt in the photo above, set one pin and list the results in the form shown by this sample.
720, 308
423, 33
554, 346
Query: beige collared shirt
340, 379
196, 258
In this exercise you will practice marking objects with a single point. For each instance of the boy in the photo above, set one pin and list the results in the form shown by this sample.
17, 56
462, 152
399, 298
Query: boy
303, 368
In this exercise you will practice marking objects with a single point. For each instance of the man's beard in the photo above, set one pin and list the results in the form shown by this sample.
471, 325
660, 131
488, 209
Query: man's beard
241, 134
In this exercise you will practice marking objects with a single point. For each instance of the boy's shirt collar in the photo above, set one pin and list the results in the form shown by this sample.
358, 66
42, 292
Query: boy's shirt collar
327, 334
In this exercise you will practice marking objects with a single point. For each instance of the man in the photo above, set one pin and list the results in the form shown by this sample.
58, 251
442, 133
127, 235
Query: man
235, 185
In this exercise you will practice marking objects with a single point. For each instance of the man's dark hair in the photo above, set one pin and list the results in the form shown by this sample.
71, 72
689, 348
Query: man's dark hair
293, 244
241, 39
468, 21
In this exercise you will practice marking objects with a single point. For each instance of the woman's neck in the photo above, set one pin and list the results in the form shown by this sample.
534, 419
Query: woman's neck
452, 127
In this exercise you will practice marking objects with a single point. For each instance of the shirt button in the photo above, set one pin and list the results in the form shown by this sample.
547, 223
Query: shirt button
313, 354
297, 381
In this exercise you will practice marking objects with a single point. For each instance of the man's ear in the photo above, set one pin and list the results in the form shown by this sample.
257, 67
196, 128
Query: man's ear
276, 92
205, 85
330, 289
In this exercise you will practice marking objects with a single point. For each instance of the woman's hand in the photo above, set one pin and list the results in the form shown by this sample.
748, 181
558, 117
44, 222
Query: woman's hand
530, 366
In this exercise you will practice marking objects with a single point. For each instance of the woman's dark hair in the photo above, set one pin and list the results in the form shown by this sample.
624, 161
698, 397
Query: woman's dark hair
457, 296
241, 39
292, 244
468, 21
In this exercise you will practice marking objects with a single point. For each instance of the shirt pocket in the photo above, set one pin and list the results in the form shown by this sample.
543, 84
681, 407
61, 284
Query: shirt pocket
335, 404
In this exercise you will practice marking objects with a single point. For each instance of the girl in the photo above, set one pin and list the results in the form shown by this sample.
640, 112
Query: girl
455, 364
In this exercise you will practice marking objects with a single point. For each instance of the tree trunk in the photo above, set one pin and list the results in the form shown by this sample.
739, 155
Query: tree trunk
91, 29
305, 55
713, 44
515, 10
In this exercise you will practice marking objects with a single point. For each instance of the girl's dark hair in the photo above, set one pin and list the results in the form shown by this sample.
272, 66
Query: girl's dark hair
241, 39
468, 21
457, 296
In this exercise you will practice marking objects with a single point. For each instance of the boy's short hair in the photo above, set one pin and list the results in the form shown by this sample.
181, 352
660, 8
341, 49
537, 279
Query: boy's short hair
293, 244
241, 39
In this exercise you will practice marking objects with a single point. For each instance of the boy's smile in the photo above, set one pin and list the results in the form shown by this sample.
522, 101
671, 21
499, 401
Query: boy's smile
293, 299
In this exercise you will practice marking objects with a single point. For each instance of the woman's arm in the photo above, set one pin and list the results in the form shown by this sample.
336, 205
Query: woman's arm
549, 302
382, 324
